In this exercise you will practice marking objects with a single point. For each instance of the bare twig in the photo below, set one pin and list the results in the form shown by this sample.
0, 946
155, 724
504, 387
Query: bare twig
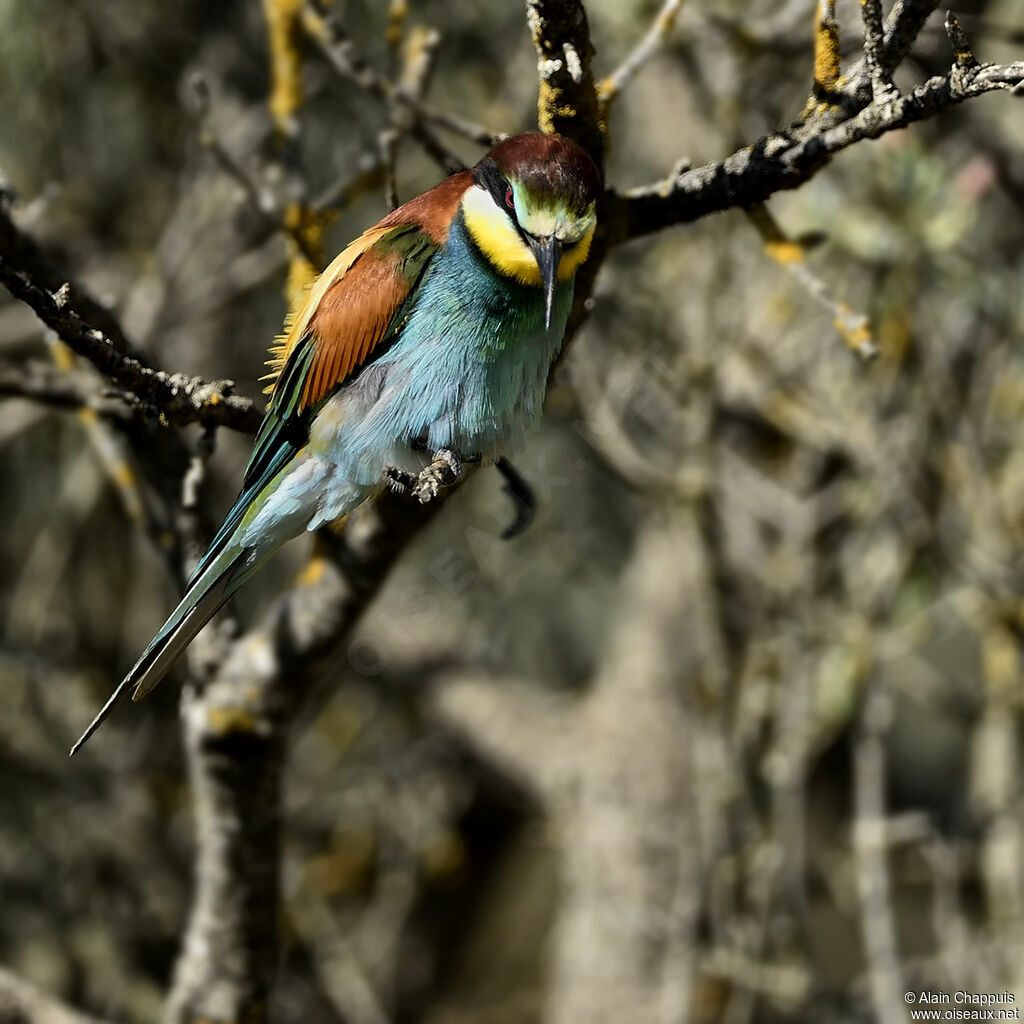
342, 55
790, 254
261, 197
418, 59
655, 37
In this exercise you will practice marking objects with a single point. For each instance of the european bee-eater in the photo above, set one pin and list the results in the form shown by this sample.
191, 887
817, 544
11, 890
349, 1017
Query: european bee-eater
428, 339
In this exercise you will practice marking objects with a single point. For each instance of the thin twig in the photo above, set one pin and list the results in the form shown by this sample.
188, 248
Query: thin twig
261, 197
790, 254
42, 383
341, 53
963, 54
874, 43
654, 39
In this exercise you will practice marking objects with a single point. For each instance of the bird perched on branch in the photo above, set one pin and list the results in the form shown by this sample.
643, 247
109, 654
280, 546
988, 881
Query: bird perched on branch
426, 342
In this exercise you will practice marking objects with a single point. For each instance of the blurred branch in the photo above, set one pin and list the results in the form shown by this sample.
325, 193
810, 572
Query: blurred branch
613, 772
654, 39
870, 844
418, 59
236, 725
791, 255
340, 51
276, 213
22, 1003
50, 386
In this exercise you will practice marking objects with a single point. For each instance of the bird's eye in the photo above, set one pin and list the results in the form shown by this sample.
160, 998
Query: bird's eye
509, 199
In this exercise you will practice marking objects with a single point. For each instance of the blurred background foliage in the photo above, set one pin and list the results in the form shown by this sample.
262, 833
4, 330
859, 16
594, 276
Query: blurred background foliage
860, 524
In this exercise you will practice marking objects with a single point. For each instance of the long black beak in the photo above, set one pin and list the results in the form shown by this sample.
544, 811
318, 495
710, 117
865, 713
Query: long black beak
548, 254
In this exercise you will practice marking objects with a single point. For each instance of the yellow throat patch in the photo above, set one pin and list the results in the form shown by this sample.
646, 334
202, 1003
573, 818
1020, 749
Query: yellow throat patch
499, 241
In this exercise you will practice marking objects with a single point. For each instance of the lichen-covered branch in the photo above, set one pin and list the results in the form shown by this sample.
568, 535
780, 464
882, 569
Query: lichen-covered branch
827, 66
20, 253
175, 397
781, 161
567, 101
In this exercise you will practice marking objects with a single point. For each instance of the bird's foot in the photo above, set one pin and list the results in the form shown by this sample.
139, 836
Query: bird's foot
444, 469
399, 480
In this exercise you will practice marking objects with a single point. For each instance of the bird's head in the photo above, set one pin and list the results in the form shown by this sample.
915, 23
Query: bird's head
532, 209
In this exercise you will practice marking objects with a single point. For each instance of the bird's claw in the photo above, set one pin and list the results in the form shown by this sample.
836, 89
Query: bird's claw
399, 480
444, 469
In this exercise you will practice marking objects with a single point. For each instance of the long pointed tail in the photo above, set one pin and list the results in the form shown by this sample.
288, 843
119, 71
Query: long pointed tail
275, 506
203, 599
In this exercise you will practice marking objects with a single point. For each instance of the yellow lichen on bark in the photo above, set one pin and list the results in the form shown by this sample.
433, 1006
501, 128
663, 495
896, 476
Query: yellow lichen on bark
285, 62
827, 62
226, 720
826, 48
305, 229
567, 101
776, 244
398, 13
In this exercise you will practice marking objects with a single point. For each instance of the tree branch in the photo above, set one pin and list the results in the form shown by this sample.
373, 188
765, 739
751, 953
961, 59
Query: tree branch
50, 386
652, 41
23, 254
567, 102
22, 1003
236, 727
341, 53
177, 398
781, 161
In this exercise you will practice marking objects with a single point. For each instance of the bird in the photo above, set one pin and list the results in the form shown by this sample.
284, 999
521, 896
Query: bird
427, 342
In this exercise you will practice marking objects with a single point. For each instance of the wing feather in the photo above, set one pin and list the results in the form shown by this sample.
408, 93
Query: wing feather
351, 313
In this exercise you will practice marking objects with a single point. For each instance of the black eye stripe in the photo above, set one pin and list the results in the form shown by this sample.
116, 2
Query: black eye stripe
487, 174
